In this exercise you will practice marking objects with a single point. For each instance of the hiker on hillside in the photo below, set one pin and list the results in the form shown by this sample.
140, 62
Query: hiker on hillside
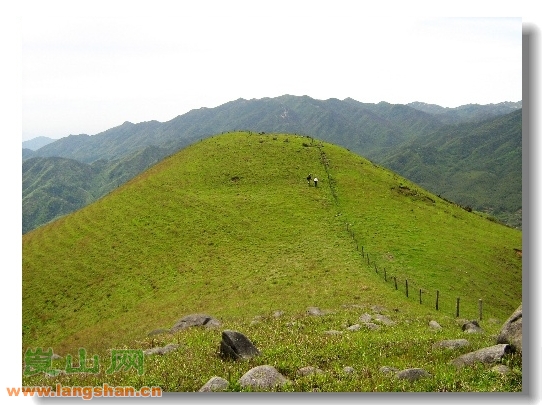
309, 177
315, 182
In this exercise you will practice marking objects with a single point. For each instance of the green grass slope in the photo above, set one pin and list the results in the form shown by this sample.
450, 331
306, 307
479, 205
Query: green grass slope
229, 227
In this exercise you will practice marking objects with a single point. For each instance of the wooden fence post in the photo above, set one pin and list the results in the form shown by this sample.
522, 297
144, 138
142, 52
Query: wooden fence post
376, 270
436, 305
420, 295
457, 308
362, 253
385, 278
406, 284
368, 259
395, 279
480, 308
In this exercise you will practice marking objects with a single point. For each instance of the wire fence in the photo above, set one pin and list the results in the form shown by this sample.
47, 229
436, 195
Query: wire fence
432, 298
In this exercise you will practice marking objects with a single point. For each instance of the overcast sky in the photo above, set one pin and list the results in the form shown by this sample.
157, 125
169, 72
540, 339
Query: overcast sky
86, 75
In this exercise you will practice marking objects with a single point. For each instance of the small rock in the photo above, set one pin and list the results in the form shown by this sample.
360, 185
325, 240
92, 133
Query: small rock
315, 311
215, 384
412, 374
262, 377
471, 327
308, 370
354, 327
371, 326
365, 318
161, 350
435, 325
388, 370
451, 344
384, 320
349, 370
278, 314
195, 320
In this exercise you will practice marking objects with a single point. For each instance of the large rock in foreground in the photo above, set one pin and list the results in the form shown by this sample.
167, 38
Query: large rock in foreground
215, 384
262, 378
487, 355
512, 330
236, 346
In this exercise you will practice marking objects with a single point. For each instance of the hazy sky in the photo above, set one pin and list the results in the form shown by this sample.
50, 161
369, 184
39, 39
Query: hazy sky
86, 75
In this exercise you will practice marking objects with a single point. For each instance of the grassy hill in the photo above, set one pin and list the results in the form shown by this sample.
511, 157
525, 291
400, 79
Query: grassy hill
229, 227
53, 186
382, 132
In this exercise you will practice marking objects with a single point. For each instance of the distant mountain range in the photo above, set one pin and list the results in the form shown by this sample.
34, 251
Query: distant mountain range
36, 143
470, 154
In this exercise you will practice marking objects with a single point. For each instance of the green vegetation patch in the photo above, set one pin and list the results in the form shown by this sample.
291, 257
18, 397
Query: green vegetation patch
229, 227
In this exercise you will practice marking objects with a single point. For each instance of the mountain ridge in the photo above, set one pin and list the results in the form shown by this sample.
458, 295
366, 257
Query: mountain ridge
375, 131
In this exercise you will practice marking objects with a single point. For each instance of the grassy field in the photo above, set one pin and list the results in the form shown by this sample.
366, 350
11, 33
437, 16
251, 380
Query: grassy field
229, 227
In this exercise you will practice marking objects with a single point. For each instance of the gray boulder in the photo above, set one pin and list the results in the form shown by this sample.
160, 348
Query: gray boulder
365, 318
262, 378
215, 384
388, 370
308, 370
435, 325
451, 344
487, 355
384, 320
512, 330
195, 320
371, 326
236, 346
471, 327
412, 374
315, 311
